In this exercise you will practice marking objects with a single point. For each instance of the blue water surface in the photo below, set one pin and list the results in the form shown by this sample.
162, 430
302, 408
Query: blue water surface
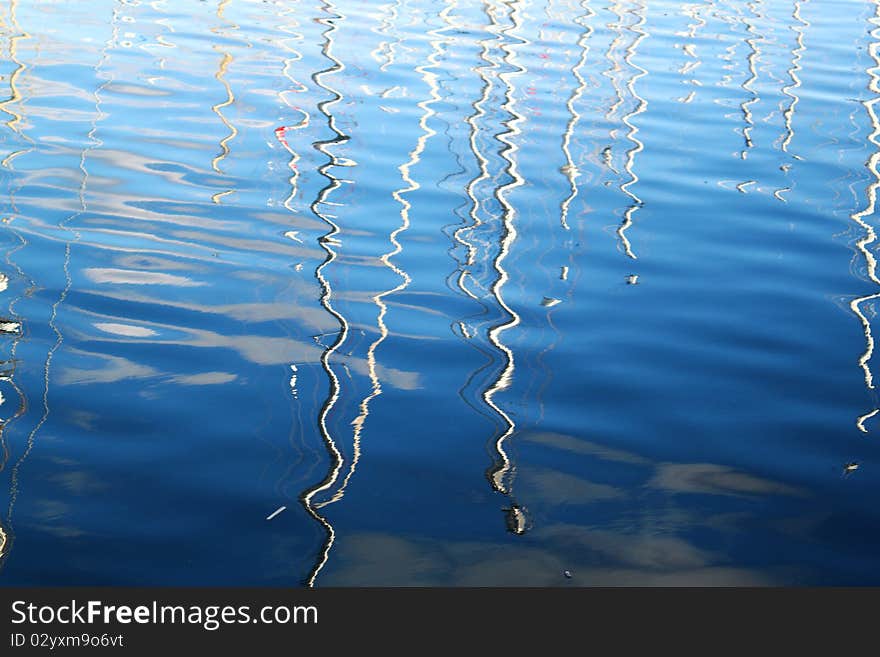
436, 292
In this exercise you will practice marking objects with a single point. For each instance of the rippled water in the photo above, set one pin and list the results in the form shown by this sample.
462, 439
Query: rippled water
479, 292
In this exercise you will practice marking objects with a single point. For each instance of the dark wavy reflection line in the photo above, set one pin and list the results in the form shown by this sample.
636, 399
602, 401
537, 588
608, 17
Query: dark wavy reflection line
462, 234
632, 132
220, 75
15, 98
64, 224
327, 242
463, 237
869, 236
502, 473
570, 170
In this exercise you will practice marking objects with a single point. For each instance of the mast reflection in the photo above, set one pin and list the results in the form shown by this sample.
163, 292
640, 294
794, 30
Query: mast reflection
64, 225
327, 242
501, 475
225, 60
869, 235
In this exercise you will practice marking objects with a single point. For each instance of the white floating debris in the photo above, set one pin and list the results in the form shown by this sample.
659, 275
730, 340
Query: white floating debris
860, 423
10, 327
850, 467
4, 282
632, 279
276, 512
563, 275
293, 235
516, 520
549, 302
689, 98
566, 574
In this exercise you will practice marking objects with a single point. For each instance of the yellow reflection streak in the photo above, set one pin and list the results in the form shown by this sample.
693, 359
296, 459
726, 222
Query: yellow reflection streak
327, 242
789, 90
8, 105
570, 170
230, 98
430, 78
638, 146
869, 235
220, 76
289, 26
501, 475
